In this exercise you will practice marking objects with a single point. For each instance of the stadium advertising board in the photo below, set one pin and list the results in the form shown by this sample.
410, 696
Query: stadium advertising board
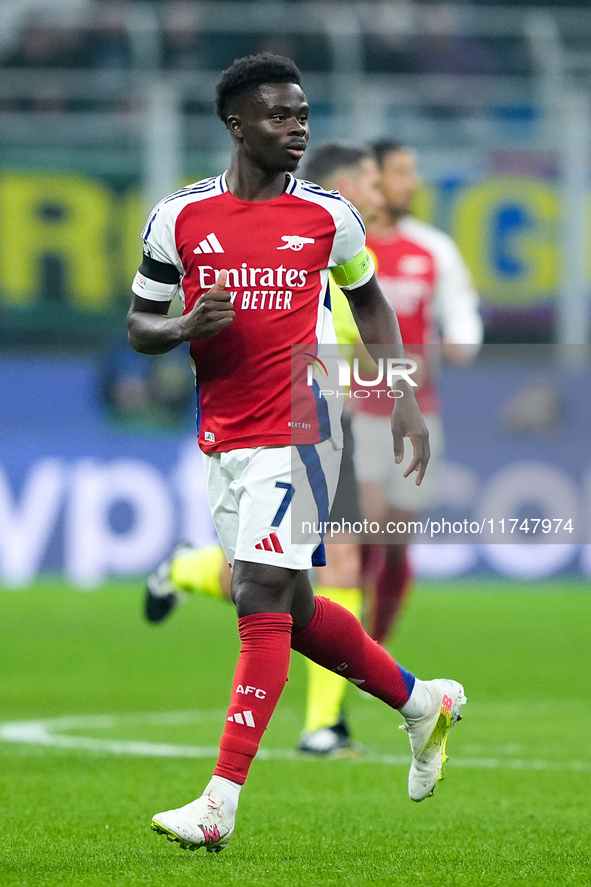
76, 234
85, 496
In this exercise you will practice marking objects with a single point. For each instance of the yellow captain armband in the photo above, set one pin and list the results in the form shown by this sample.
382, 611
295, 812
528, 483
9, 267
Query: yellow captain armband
354, 271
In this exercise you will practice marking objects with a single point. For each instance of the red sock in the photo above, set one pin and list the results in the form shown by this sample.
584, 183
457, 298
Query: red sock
336, 640
391, 588
259, 680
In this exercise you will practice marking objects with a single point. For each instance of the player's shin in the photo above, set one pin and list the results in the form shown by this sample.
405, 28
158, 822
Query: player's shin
260, 676
325, 690
259, 680
335, 639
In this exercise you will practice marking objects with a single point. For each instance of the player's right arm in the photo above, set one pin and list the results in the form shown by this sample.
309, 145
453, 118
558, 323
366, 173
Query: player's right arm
152, 331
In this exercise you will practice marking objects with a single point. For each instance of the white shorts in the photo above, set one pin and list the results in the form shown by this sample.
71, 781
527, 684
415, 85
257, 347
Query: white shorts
268, 503
374, 461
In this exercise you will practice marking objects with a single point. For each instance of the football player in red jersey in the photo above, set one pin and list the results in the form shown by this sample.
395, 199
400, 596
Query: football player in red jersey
424, 277
249, 254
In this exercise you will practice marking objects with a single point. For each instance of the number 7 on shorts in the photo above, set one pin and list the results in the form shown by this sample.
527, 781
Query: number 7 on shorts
280, 513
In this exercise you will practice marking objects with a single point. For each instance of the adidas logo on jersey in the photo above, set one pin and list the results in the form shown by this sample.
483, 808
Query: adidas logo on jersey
209, 244
270, 543
242, 717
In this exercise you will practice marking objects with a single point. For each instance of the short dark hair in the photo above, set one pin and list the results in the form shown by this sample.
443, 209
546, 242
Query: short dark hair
323, 162
384, 147
250, 72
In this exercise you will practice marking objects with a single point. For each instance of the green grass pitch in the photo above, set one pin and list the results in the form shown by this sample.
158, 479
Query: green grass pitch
116, 720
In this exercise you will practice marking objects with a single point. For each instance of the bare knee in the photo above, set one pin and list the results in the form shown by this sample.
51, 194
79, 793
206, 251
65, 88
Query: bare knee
262, 588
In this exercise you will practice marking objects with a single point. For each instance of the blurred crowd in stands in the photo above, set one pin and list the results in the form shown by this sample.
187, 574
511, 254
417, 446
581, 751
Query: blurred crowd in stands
113, 37
99, 35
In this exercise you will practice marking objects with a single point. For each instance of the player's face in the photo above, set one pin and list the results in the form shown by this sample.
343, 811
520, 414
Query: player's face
363, 189
400, 180
274, 126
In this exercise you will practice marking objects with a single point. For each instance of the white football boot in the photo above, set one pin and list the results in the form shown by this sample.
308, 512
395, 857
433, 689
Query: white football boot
202, 823
428, 736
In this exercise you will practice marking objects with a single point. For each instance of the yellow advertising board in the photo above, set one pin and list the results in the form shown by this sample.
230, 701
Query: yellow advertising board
506, 226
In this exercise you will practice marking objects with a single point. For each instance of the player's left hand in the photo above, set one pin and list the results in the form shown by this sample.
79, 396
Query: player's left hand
407, 421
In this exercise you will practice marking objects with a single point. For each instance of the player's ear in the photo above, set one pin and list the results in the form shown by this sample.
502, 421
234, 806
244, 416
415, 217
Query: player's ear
234, 125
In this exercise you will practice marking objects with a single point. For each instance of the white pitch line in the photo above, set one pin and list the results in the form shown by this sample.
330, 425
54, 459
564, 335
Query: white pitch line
50, 733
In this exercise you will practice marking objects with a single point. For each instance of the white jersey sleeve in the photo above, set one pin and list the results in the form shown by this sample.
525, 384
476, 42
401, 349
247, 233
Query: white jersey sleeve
159, 232
161, 270
350, 261
456, 299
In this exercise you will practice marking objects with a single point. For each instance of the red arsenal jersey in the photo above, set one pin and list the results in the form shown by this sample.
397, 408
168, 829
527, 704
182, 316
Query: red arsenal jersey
278, 254
423, 276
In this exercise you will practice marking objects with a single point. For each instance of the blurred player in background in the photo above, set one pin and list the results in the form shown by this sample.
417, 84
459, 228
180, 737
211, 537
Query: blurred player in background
215, 243
423, 275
